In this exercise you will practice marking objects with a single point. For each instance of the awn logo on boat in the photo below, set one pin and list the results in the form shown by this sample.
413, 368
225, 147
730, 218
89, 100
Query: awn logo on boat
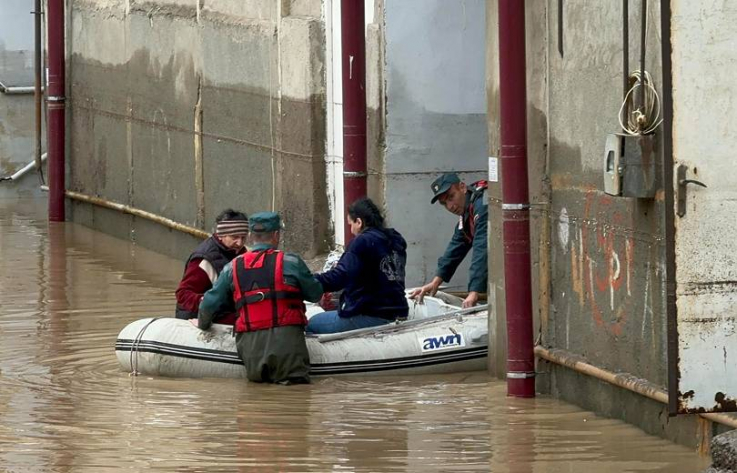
442, 342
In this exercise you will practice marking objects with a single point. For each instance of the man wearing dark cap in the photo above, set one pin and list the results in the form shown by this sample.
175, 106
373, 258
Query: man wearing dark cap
267, 288
469, 203
208, 260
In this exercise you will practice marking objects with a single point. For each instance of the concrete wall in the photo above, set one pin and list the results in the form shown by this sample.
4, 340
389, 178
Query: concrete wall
183, 108
17, 122
435, 116
598, 260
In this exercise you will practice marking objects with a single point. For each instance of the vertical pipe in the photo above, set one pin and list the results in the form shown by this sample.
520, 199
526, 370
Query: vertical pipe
353, 43
643, 48
38, 92
625, 47
669, 223
515, 199
55, 99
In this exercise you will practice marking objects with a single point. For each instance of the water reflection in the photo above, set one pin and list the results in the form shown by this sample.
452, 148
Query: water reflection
66, 292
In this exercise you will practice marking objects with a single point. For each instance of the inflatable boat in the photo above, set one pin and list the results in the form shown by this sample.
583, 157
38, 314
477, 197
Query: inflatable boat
437, 337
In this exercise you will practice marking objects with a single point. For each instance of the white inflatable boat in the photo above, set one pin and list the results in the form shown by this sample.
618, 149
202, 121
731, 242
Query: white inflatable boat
436, 338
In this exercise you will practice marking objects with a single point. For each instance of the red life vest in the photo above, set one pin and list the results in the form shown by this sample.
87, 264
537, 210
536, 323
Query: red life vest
262, 299
477, 189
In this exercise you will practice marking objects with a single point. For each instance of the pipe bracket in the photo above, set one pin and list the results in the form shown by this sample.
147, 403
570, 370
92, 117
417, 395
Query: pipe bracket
515, 206
520, 374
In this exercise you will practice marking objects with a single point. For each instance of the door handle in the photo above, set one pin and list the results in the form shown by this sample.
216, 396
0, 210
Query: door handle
682, 185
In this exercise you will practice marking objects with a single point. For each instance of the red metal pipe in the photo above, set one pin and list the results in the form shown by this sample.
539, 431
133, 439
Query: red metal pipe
56, 119
515, 199
353, 43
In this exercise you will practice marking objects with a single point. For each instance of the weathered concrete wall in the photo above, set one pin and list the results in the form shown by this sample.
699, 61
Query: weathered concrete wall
17, 116
607, 256
598, 260
183, 108
435, 119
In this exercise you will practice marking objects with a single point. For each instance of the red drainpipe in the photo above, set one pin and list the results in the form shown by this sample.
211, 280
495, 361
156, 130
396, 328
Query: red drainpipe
353, 43
515, 199
56, 111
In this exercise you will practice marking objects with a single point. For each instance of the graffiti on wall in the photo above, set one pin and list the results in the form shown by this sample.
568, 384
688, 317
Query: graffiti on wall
602, 262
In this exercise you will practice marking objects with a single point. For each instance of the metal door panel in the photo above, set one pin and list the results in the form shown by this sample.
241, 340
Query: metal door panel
704, 71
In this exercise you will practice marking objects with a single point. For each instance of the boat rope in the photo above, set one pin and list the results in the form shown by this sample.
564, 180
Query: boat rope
134, 348
456, 313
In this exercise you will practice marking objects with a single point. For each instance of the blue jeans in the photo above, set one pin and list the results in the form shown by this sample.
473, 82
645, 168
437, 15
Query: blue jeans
331, 322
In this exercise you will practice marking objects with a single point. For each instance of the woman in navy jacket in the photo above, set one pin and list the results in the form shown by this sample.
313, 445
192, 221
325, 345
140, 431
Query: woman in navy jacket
370, 272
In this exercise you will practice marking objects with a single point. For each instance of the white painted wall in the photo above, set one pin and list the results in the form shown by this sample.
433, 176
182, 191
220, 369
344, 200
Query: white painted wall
704, 89
334, 98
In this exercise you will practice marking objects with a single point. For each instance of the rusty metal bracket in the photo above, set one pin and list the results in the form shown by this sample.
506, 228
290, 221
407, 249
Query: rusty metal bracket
682, 184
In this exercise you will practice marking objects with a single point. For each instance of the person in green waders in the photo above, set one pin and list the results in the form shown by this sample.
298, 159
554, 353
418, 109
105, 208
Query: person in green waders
267, 288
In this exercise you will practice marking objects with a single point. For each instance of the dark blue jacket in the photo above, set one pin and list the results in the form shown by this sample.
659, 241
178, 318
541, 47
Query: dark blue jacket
371, 274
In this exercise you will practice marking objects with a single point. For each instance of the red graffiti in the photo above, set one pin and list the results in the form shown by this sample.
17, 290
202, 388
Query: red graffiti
605, 263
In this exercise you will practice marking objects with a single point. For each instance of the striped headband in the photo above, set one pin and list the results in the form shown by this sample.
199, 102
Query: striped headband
232, 227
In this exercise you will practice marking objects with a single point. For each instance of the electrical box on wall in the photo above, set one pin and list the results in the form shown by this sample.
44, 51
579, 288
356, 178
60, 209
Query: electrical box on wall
631, 166
612, 167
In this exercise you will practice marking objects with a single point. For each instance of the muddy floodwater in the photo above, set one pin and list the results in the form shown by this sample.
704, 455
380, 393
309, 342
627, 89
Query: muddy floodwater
65, 293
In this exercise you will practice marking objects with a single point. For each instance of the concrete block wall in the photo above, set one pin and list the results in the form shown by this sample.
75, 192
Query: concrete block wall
185, 107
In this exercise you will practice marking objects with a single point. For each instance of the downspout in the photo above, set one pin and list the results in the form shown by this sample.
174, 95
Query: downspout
515, 199
353, 44
669, 224
56, 109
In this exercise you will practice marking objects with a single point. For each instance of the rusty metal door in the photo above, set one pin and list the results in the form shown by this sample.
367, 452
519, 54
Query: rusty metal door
704, 139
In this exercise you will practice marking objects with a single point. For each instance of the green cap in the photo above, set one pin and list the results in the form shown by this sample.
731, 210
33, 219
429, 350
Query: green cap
441, 185
264, 222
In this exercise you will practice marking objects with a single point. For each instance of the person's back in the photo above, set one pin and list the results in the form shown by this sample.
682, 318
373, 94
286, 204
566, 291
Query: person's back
370, 273
267, 288
378, 289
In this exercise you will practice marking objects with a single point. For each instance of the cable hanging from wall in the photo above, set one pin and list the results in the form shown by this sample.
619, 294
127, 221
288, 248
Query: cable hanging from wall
640, 110
645, 118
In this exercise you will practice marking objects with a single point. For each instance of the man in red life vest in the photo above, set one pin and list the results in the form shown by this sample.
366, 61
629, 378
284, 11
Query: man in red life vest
267, 287
469, 203
208, 260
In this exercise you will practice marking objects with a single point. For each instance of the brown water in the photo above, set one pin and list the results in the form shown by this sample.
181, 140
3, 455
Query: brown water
65, 293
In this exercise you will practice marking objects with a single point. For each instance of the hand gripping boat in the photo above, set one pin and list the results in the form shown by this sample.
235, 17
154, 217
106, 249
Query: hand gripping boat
436, 338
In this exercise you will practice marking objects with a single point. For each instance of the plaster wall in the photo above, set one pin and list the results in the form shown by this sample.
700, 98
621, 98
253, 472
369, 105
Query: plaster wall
607, 256
435, 112
183, 108
17, 116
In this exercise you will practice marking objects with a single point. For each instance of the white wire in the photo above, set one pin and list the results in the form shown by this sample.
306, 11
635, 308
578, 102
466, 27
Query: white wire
646, 118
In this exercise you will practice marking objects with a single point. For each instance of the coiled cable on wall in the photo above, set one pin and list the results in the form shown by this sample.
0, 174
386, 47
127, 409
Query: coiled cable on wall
644, 119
